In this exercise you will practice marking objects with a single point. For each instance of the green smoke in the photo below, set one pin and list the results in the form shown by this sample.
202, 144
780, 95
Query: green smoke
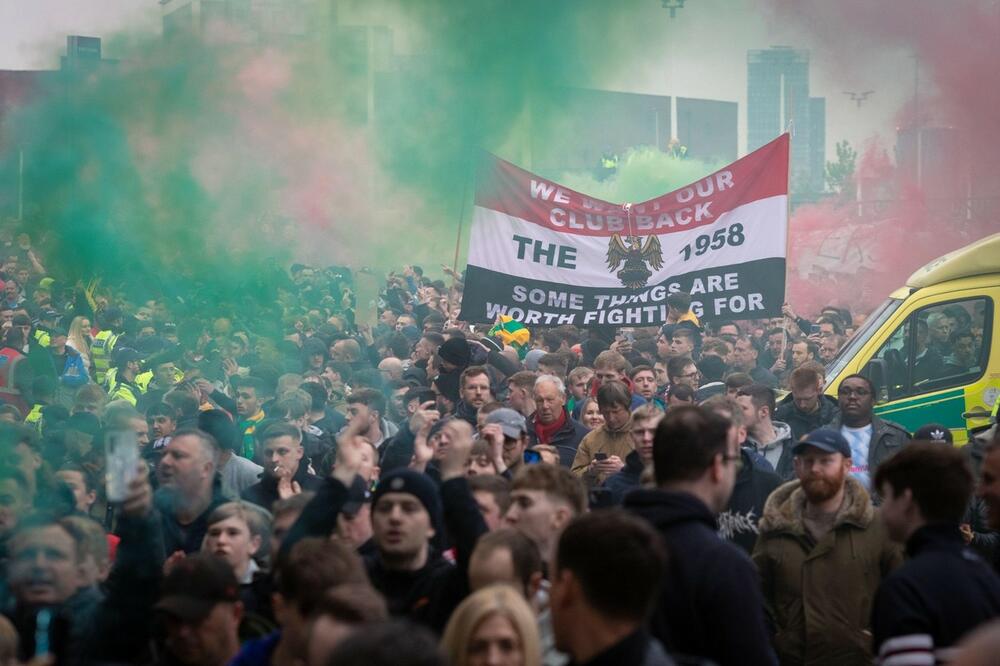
642, 174
199, 165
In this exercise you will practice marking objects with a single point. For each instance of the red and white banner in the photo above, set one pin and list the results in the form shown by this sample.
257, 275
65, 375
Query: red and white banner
544, 254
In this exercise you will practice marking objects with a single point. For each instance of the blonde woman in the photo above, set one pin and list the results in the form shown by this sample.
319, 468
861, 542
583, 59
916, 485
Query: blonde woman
493, 626
79, 339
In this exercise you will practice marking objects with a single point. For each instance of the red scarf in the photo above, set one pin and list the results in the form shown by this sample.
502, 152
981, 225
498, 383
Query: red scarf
546, 432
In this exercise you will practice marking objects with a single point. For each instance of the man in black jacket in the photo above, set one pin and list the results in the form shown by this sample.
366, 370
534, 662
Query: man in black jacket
710, 583
806, 408
407, 511
286, 470
189, 489
944, 589
599, 619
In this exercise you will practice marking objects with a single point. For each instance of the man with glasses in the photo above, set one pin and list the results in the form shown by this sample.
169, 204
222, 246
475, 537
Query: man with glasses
710, 583
682, 370
822, 553
870, 438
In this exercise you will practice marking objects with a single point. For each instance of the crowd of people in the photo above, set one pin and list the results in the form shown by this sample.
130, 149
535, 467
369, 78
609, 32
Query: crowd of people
308, 489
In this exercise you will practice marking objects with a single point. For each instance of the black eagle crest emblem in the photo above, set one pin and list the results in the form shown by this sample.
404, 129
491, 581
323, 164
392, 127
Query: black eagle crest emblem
633, 256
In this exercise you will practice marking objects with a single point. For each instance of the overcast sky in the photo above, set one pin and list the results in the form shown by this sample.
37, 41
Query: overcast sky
702, 54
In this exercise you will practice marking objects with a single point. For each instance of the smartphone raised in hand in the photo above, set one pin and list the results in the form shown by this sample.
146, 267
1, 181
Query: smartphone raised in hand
121, 451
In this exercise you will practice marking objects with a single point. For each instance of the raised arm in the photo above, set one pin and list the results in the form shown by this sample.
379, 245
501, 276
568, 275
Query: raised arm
319, 517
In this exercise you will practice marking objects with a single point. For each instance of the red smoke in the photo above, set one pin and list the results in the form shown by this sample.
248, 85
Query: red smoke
853, 254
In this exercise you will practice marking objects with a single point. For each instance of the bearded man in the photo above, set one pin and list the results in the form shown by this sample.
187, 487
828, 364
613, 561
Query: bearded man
822, 552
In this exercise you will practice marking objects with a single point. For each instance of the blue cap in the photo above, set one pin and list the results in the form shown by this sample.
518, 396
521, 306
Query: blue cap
824, 439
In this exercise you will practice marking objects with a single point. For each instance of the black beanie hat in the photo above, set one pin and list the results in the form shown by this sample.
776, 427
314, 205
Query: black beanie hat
455, 351
405, 480
448, 384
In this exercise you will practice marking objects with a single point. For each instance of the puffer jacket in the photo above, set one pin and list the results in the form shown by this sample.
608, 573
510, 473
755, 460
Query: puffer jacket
819, 593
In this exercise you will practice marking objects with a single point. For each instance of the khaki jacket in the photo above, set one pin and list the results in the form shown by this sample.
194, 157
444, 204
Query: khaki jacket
819, 594
600, 440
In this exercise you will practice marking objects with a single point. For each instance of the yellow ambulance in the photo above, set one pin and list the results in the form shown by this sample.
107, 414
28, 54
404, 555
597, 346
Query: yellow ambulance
931, 349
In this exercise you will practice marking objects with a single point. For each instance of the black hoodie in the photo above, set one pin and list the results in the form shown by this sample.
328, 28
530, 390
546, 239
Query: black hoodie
738, 523
711, 603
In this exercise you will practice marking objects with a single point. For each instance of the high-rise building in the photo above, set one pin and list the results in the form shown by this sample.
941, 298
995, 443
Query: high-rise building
817, 144
777, 101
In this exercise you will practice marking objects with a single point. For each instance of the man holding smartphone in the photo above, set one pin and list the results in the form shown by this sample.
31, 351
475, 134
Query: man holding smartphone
45, 564
602, 451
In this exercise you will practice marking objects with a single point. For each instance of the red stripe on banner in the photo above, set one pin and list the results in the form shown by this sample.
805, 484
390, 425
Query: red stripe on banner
508, 189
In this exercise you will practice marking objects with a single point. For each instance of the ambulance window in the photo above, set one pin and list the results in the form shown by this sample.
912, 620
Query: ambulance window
938, 347
895, 353
950, 349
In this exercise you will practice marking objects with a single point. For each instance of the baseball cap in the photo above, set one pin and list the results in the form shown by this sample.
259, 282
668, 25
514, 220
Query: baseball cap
195, 585
511, 423
126, 355
824, 439
934, 432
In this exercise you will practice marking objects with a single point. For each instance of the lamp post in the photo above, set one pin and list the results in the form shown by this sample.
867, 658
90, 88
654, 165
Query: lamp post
673, 6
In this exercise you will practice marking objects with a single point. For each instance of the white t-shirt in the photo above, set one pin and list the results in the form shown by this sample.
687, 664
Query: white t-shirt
860, 440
